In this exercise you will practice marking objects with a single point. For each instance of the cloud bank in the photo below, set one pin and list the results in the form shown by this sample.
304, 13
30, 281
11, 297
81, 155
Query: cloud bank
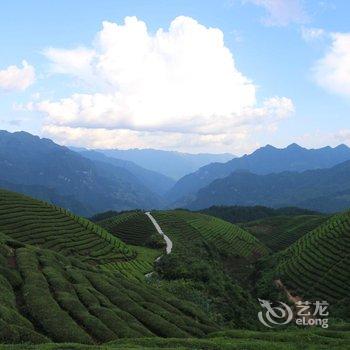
140, 88
332, 72
15, 78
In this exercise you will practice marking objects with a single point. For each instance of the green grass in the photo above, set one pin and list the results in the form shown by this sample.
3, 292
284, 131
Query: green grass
229, 340
318, 264
279, 232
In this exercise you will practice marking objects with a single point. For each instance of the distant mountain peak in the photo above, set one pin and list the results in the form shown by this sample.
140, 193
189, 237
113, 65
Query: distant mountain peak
294, 146
342, 146
268, 147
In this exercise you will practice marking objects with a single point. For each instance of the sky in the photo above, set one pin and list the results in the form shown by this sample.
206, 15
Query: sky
187, 75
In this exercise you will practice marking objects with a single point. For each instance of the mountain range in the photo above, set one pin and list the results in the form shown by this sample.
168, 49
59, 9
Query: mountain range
325, 190
45, 170
265, 160
156, 182
89, 181
169, 163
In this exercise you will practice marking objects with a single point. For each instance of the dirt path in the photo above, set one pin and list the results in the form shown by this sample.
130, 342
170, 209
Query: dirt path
169, 243
294, 299
290, 297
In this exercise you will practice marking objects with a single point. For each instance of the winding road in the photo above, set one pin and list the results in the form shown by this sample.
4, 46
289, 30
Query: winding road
169, 243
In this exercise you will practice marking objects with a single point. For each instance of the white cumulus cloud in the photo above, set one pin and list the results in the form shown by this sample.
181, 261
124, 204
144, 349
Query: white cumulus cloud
332, 72
15, 78
179, 81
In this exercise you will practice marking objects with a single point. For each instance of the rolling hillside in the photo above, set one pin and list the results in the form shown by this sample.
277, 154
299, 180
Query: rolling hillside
65, 279
324, 190
45, 226
318, 264
240, 214
279, 232
60, 281
263, 161
133, 228
210, 265
221, 234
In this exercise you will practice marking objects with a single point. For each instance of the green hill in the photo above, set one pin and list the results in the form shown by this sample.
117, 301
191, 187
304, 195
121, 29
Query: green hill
226, 237
64, 279
46, 226
60, 282
238, 214
133, 228
210, 265
279, 232
318, 264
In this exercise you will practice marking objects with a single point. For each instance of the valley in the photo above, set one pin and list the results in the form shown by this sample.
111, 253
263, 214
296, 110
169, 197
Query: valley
65, 279
175, 175
95, 254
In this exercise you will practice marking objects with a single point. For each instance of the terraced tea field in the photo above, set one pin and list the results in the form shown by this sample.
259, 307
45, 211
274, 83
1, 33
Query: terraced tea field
279, 232
46, 296
318, 264
226, 237
133, 228
64, 279
43, 225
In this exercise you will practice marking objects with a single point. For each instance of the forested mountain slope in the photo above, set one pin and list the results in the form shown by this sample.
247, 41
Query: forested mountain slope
325, 190
43, 169
265, 160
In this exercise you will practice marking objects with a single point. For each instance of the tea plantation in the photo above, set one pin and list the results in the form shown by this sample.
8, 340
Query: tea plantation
46, 296
279, 232
318, 264
226, 237
68, 283
133, 228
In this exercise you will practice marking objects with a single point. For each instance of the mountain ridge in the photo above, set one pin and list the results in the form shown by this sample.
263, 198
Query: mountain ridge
264, 160
324, 190
28, 160
169, 163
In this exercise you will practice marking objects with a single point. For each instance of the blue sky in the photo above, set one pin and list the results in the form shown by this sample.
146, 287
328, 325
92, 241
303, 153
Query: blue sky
280, 76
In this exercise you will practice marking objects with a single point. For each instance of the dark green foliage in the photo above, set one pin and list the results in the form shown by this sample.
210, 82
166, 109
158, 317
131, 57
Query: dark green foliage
318, 264
263, 161
279, 232
324, 190
199, 267
60, 299
238, 214
308, 339
43, 225
133, 228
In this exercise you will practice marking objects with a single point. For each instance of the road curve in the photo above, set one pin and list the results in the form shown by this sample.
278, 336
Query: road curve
169, 243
